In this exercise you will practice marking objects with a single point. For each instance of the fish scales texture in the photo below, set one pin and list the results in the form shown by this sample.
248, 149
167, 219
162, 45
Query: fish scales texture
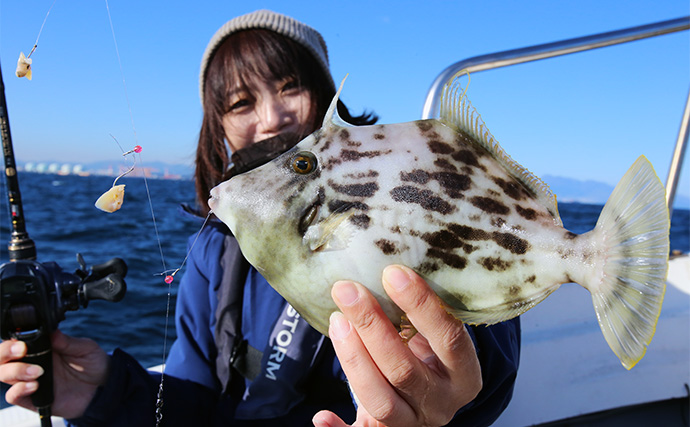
441, 197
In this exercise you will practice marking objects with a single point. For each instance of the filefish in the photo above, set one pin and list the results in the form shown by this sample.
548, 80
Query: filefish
443, 198
23, 66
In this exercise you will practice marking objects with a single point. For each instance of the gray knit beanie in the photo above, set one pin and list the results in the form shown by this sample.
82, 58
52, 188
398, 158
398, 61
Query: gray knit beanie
266, 19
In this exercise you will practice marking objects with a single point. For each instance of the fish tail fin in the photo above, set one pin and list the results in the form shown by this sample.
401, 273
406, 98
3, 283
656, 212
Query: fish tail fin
634, 225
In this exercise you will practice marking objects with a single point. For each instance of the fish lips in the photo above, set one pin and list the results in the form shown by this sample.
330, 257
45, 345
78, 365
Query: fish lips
216, 204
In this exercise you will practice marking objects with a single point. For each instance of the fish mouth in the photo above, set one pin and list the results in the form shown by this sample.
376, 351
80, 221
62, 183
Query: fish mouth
213, 199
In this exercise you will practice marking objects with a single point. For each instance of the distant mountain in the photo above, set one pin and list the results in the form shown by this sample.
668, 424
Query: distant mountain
592, 192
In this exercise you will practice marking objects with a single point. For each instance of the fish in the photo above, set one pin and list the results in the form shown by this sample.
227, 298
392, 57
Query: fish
111, 200
442, 197
23, 66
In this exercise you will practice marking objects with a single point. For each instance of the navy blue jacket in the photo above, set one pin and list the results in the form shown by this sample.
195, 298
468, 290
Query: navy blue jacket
200, 389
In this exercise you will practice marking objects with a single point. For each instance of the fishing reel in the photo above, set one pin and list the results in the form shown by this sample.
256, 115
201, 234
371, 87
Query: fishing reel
34, 298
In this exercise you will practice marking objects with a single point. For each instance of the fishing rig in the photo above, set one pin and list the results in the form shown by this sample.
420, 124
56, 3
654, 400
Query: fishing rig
34, 296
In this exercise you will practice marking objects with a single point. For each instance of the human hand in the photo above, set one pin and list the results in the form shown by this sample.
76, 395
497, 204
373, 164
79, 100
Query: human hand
421, 383
79, 367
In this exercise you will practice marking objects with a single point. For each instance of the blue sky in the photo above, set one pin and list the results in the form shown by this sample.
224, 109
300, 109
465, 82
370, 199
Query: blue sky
585, 116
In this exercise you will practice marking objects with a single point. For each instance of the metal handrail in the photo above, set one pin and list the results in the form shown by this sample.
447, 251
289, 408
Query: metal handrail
564, 47
678, 154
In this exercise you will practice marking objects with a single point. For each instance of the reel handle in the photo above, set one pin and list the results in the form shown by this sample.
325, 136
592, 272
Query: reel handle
110, 288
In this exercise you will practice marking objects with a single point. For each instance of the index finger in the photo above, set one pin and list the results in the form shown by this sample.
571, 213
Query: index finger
12, 350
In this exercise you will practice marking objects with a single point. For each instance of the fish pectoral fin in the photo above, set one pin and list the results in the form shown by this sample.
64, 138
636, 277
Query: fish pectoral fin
331, 234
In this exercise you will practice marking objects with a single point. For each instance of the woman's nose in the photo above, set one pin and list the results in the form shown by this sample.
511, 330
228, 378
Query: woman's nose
274, 115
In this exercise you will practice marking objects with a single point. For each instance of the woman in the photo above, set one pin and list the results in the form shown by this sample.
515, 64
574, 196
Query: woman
243, 356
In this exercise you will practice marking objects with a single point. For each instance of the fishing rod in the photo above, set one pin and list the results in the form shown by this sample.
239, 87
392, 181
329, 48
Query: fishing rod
34, 296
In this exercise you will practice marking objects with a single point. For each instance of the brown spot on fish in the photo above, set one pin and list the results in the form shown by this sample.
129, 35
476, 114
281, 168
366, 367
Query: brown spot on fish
511, 242
344, 134
442, 239
450, 259
498, 222
531, 279
379, 136
453, 184
355, 190
361, 220
424, 125
469, 158
468, 233
424, 198
418, 176
569, 235
511, 188
343, 205
440, 147
360, 175
566, 253
497, 264
353, 155
427, 268
444, 164
514, 291
490, 206
333, 161
326, 145
527, 213
468, 248
386, 246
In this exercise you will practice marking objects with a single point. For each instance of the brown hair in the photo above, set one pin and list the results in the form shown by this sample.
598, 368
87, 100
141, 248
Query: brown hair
268, 56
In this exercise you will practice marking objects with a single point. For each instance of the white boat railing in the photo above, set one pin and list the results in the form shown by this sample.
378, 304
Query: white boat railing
564, 47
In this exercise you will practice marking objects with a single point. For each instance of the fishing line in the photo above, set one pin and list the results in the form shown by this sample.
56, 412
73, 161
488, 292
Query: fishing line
159, 400
168, 277
24, 62
122, 73
41, 30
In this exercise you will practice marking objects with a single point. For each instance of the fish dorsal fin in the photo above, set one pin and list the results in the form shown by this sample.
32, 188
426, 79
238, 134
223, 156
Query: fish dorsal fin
457, 111
332, 119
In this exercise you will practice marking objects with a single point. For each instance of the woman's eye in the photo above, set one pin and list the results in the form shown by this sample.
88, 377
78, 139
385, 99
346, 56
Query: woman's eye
304, 163
238, 105
290, 85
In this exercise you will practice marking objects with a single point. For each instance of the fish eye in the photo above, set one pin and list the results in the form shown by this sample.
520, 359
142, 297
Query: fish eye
304, 162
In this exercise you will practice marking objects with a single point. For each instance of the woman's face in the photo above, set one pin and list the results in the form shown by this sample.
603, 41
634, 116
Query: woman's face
263, 110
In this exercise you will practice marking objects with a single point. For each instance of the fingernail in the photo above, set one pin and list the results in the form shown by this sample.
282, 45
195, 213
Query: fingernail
345, 292
34, 371
339, 326
396, 277
17, 348
31, 386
